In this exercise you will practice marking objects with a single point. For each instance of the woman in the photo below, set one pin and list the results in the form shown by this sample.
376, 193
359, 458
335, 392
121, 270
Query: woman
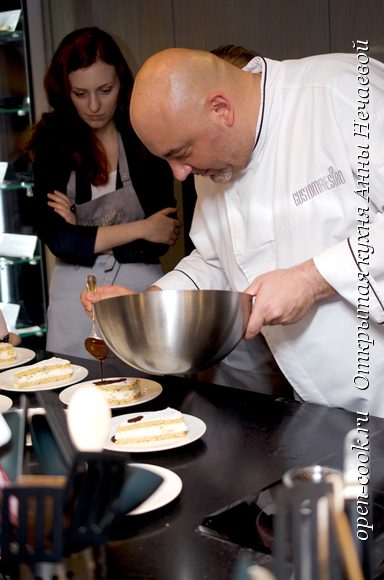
104, 204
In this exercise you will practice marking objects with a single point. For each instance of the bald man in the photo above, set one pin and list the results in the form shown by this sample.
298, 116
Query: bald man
191, 123
277, 148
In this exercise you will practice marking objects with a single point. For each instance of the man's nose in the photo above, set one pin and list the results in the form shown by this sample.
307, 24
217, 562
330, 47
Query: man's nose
180, 170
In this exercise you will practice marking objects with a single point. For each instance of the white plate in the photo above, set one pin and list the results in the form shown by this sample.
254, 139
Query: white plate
8, 378
168, 490
196, 429
5, 431
149, 390
5, 403
23, 355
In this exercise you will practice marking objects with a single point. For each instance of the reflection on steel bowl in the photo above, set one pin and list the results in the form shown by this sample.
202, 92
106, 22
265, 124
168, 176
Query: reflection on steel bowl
174, 331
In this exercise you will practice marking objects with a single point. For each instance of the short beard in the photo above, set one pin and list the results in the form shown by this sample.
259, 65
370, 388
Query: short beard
224, 175
228, 173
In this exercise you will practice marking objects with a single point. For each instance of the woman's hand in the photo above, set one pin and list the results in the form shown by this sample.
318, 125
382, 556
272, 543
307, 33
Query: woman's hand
161, 229
14, 339
157, 228
62, 205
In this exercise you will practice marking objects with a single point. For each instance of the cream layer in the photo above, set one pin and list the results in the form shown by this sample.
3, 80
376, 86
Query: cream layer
36, 377
155, 431
127, 393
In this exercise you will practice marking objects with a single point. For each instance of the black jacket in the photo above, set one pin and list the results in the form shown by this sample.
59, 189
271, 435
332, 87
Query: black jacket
151, 178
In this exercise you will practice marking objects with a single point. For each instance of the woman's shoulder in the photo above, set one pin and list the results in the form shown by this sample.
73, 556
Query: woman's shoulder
130, 139
137, 151
44, 136
49, 142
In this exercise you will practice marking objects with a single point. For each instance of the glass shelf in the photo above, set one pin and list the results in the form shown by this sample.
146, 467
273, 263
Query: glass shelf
21, 111
13, 184
23, 332
11, 35
5, 261
22, 275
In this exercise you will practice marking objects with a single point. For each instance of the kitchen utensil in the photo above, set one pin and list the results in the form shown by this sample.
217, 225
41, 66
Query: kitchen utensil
260, 573
57, 422
354, 444
303, 515
88, 419
173, 331
140, 485
38, 534
5, 431
90, 478
12, 453
343, 531
45, 448
92, 498
57, 516
32, 508
297, 533
307, 475
94, 344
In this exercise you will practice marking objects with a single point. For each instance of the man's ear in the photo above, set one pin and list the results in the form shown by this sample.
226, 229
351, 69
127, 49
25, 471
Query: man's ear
220, 108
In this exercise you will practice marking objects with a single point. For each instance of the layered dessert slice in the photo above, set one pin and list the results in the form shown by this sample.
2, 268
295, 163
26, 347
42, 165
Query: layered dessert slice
156, 426
120, 391
47, 371
7, 352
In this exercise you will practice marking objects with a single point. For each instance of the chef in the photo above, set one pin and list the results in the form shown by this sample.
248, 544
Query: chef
290, 183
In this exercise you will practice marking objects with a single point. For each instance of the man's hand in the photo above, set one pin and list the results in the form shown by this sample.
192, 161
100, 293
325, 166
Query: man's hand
285, 296
88, 298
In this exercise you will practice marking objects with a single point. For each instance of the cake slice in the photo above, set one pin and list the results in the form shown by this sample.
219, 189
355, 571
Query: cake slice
156, 426
120, 391
47, 371
7, 352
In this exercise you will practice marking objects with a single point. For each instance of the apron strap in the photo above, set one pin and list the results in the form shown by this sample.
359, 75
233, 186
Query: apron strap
122, 163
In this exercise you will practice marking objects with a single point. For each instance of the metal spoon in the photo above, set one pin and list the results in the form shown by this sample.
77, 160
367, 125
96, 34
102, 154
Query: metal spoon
94, 344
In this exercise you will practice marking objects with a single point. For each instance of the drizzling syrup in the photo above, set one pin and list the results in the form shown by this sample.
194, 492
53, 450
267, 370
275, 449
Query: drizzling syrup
98, 349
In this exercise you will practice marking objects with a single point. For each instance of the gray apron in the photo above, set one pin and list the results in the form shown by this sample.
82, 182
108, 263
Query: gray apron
68, 325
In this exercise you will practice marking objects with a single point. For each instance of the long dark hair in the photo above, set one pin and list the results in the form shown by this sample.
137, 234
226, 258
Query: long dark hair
80, 49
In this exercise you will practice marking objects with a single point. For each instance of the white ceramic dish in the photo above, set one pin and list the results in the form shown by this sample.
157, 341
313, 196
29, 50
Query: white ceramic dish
23, 355
8, 378
196, 429
149, 390
5, 403
165, 493
5, 431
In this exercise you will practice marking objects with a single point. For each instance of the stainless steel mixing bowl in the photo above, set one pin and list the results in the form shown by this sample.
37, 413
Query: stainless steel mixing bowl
174, 331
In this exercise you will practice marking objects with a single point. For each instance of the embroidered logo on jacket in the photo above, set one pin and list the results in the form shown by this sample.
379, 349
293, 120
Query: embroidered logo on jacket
330, 181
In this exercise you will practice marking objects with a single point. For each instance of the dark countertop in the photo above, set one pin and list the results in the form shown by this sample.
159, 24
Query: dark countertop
251, 440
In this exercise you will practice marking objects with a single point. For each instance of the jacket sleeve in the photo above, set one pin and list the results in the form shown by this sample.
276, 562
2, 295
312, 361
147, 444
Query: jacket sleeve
202, 269
73, 244
152, 180
355, 266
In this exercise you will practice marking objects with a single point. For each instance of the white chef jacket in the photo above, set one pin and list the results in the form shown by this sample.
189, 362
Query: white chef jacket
296, 200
